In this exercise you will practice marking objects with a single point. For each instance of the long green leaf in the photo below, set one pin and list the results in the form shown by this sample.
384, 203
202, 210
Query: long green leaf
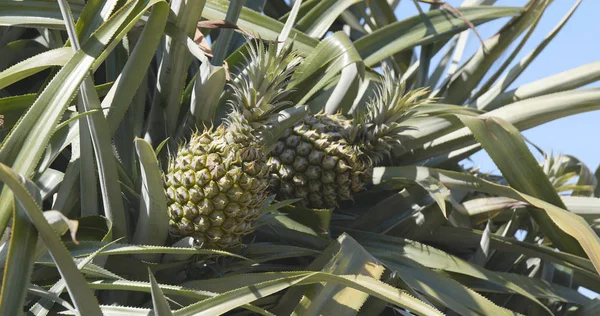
34, 13
159, 301
564, 81
316, 22
569, 223
393, 249
111, 310
122, 92
35, 64
170, 81
468, 238
466, 79
173, 290
28, 139
521, 171
536, 287
94, 14
221, 44
275, 282
441, 136
424, 29
344, 257
80, 293
43, 307
491, 94
259, 25
152, 223
86, 248
100, 138
21, 255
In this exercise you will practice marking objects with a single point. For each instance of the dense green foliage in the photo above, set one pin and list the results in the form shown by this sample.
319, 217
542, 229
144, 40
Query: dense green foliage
116, 113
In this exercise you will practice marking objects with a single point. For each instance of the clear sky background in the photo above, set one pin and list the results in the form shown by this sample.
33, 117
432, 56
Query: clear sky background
577, 44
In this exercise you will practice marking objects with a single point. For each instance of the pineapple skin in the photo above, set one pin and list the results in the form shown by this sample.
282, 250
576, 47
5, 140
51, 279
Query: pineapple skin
215, 186
314, 161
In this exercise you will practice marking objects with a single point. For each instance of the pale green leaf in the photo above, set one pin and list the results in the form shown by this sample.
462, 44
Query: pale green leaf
152, 222
80, 293
344, 257
159, 301
569, 223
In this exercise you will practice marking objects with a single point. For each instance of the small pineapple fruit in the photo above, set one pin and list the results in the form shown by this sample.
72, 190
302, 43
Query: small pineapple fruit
217, 182
325, 158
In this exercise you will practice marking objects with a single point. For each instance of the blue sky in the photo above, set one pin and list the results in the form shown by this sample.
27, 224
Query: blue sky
574, 46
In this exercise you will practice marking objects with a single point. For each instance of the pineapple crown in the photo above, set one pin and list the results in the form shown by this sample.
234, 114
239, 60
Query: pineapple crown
378, 125
260, 89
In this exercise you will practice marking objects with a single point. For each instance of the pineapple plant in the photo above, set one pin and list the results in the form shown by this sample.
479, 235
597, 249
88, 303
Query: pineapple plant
99, 161
217, 182
326, 158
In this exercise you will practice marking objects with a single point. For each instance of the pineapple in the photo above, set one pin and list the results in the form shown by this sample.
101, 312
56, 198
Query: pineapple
326, 158
217, 182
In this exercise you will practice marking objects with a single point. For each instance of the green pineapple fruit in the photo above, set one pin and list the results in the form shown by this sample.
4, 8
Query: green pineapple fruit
217, 182
326, 158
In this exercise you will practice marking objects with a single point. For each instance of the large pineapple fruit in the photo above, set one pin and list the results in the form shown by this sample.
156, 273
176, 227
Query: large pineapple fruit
326, 158
217, 182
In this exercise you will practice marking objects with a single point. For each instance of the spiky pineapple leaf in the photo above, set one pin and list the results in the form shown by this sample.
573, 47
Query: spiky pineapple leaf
111, 310
81, 295
260, 25
466, 79
521, 171
586, 207
318, 220
44, 305
94, 13
208, 87
390, 211
289, 223
270, 283
152, 223
344, 257
564, 81
490, 95
35, 64
178, 291
325, 61
317, 21
86, 248
536, 287
94, 228
35, 13
263, 252
159, 301
21, 252
221, 44
398, 251
461, 237
28, 139
95, 128
569, 223
123, 90
439, 192
170, 81
47, 295
13, 107
424, 29
426, 141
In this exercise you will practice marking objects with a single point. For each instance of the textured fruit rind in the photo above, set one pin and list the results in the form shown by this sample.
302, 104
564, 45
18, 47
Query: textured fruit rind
214, 190
314, 161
